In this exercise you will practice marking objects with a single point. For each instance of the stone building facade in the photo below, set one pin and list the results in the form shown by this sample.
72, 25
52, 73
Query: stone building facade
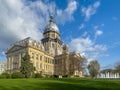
2, 67
49, 57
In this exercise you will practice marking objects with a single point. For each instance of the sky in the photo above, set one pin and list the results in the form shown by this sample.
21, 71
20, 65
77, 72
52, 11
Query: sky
90, 27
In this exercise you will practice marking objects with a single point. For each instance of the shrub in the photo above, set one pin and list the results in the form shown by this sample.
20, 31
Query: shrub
37, 75
17, 75
55, 76
5, 75
65, 76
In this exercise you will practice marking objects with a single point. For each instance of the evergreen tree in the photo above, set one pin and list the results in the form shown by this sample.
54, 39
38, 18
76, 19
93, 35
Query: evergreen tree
26, 66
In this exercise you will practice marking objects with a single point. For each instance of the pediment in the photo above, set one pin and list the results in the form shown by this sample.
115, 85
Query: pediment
15, 48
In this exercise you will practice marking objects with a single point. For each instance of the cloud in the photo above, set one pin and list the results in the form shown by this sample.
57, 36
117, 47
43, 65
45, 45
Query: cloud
66, 14
18, 21
84, 34
81, 26
90, 10
98, 33
22, 18
87, 46
114, 18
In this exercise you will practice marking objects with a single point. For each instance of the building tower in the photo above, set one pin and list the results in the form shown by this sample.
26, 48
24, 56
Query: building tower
51, 41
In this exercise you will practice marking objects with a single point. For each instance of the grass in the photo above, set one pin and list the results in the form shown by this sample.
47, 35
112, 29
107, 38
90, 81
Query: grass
59, 84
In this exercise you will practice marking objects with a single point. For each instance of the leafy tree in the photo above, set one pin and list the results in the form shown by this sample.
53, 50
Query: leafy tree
94, 68
26, 66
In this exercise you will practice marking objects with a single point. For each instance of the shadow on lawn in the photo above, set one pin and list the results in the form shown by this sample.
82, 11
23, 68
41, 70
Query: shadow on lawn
59, 84
66, 85
74, 84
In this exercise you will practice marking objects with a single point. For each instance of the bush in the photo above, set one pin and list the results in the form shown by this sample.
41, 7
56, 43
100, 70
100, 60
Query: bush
65, 76
37, 75
17, 75
5, 75
55, 76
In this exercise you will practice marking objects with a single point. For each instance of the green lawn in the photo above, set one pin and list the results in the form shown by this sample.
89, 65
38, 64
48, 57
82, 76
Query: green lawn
59, 84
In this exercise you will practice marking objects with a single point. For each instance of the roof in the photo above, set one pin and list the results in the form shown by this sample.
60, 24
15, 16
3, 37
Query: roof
51, 26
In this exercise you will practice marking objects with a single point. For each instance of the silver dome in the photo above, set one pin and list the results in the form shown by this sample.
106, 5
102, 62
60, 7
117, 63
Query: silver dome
51, 26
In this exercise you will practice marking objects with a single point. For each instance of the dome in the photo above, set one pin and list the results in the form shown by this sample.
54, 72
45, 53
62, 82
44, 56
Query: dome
51, 26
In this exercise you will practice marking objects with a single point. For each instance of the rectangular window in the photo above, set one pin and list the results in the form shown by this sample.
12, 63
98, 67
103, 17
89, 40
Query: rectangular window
52, 45
53, 35
32, 55
40, 66
46, 67
37, 56
52, 61
40, 57
37, 65
55, 61
48, 60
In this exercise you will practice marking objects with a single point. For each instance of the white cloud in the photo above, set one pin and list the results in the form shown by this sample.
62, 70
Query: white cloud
98, 33
81, 26
22, 18
2, 53
90, 10
18, 21
95, 27
85, 34
87, 46
67, 14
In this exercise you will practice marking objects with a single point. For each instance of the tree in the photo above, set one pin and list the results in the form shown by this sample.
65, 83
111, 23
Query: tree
94, 68
118, 67
26, 66
84, 62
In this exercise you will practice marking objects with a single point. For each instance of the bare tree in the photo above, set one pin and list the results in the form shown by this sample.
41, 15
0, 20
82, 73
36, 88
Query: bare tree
117, 67
84, 62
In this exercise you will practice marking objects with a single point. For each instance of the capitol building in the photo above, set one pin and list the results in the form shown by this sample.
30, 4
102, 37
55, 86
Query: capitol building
50, 56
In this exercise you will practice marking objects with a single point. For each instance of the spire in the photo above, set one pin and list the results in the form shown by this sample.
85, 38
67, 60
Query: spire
51, 18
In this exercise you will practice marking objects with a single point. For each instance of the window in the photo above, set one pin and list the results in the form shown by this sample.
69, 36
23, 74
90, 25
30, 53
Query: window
48, 60
37, 65
41, 66
52, 45
45, 58
55, 61
53, 35
40, 57
52, 61
32, 55
37, 56
46, 67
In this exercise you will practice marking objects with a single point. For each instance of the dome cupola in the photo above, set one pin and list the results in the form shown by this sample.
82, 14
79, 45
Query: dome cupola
51, 26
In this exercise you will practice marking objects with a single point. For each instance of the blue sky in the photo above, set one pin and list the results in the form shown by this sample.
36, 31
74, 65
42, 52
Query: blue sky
90, 27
